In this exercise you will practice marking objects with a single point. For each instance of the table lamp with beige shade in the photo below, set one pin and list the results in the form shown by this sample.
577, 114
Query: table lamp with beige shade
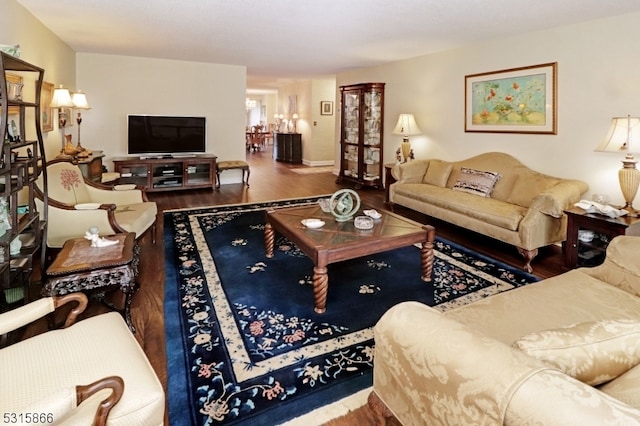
624, 137
79, 100
406, 126
62, 99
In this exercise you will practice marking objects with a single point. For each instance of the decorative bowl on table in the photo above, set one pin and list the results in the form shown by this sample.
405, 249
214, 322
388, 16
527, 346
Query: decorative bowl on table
363, 222
325, 204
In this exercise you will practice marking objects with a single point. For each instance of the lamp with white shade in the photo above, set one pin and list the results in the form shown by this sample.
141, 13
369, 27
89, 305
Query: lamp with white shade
62, 99
406, 126
79, 100
624, 137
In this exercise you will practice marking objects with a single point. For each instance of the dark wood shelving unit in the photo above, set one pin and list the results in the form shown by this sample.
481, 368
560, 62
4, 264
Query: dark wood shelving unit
22, 163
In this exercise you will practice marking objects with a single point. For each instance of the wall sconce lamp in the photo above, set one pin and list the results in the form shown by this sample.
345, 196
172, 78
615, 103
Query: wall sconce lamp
624, 136
79, 100
406, 126
62, 99
294, 119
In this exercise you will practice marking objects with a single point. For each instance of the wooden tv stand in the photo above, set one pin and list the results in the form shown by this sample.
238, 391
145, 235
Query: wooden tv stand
168, 174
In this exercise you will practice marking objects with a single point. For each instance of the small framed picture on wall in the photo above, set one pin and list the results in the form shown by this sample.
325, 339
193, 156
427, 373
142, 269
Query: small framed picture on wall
326, 108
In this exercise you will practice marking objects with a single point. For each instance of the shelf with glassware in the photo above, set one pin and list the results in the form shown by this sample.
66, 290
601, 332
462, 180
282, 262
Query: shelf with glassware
22, 159
362, 115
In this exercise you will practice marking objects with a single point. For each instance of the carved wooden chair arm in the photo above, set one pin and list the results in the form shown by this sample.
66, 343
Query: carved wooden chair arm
115, 383
80, 298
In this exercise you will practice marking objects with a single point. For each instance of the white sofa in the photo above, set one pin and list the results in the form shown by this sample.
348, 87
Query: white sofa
518, 358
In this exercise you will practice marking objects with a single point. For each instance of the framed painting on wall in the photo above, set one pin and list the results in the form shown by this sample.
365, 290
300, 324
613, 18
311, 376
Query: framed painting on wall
516, 100
46, 118
293, 104
326, 108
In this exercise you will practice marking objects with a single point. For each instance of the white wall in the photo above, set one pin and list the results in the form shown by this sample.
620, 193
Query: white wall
317, 130
322, 126
598, 64
121, 85
42, 48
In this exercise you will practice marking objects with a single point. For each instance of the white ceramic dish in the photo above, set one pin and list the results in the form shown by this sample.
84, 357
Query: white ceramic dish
374, 214
312, 223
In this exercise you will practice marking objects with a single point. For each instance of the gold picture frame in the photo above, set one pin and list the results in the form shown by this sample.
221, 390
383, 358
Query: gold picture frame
516, 100
46, 112
326, 108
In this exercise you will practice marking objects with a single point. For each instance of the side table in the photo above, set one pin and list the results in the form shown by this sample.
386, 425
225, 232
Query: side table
594, 251
80, 267
91, 167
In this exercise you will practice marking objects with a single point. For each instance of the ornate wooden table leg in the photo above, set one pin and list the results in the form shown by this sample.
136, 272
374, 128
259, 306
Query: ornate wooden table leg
269, 240
528, 256
426, 254
127, 304
320, 288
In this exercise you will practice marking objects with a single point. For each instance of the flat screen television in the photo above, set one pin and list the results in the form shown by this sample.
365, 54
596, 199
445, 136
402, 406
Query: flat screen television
166, 135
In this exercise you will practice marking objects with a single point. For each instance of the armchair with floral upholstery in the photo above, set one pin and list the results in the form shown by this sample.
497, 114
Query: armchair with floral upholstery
90, 372
76, 203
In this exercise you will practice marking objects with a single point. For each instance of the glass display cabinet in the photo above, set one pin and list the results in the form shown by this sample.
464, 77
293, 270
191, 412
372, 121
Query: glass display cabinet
361, 130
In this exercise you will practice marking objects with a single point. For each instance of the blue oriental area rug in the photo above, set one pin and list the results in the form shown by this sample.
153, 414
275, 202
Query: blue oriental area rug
244, 345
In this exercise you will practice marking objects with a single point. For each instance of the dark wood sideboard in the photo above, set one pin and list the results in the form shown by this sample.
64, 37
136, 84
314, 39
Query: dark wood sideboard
287, 147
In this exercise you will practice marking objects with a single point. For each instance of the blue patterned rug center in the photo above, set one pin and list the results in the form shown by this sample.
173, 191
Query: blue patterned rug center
244, 345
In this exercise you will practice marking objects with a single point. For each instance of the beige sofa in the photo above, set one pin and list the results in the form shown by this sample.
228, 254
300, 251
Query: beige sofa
563, 351
524, 208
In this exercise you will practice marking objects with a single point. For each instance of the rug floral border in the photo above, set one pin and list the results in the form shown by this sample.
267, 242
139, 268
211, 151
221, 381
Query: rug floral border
226, 393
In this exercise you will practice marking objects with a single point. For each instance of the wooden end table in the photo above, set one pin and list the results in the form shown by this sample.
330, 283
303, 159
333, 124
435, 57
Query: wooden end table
578, 219
96, 270
338, 241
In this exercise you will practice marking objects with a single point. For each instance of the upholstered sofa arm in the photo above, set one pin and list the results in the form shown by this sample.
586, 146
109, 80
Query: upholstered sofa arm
554, 200
555, 399
411, 171
19, 317
429, 367
621, 267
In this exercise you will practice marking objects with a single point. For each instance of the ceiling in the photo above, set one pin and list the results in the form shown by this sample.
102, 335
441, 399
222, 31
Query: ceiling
281, 40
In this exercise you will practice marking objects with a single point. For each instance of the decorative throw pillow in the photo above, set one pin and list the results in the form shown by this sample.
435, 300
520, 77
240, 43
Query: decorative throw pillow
437, 173
593, 352
476, 182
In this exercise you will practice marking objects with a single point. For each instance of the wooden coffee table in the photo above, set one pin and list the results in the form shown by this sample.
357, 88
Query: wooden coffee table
338, 241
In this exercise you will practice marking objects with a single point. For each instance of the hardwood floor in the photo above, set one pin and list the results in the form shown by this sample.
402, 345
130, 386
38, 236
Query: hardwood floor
271, 180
